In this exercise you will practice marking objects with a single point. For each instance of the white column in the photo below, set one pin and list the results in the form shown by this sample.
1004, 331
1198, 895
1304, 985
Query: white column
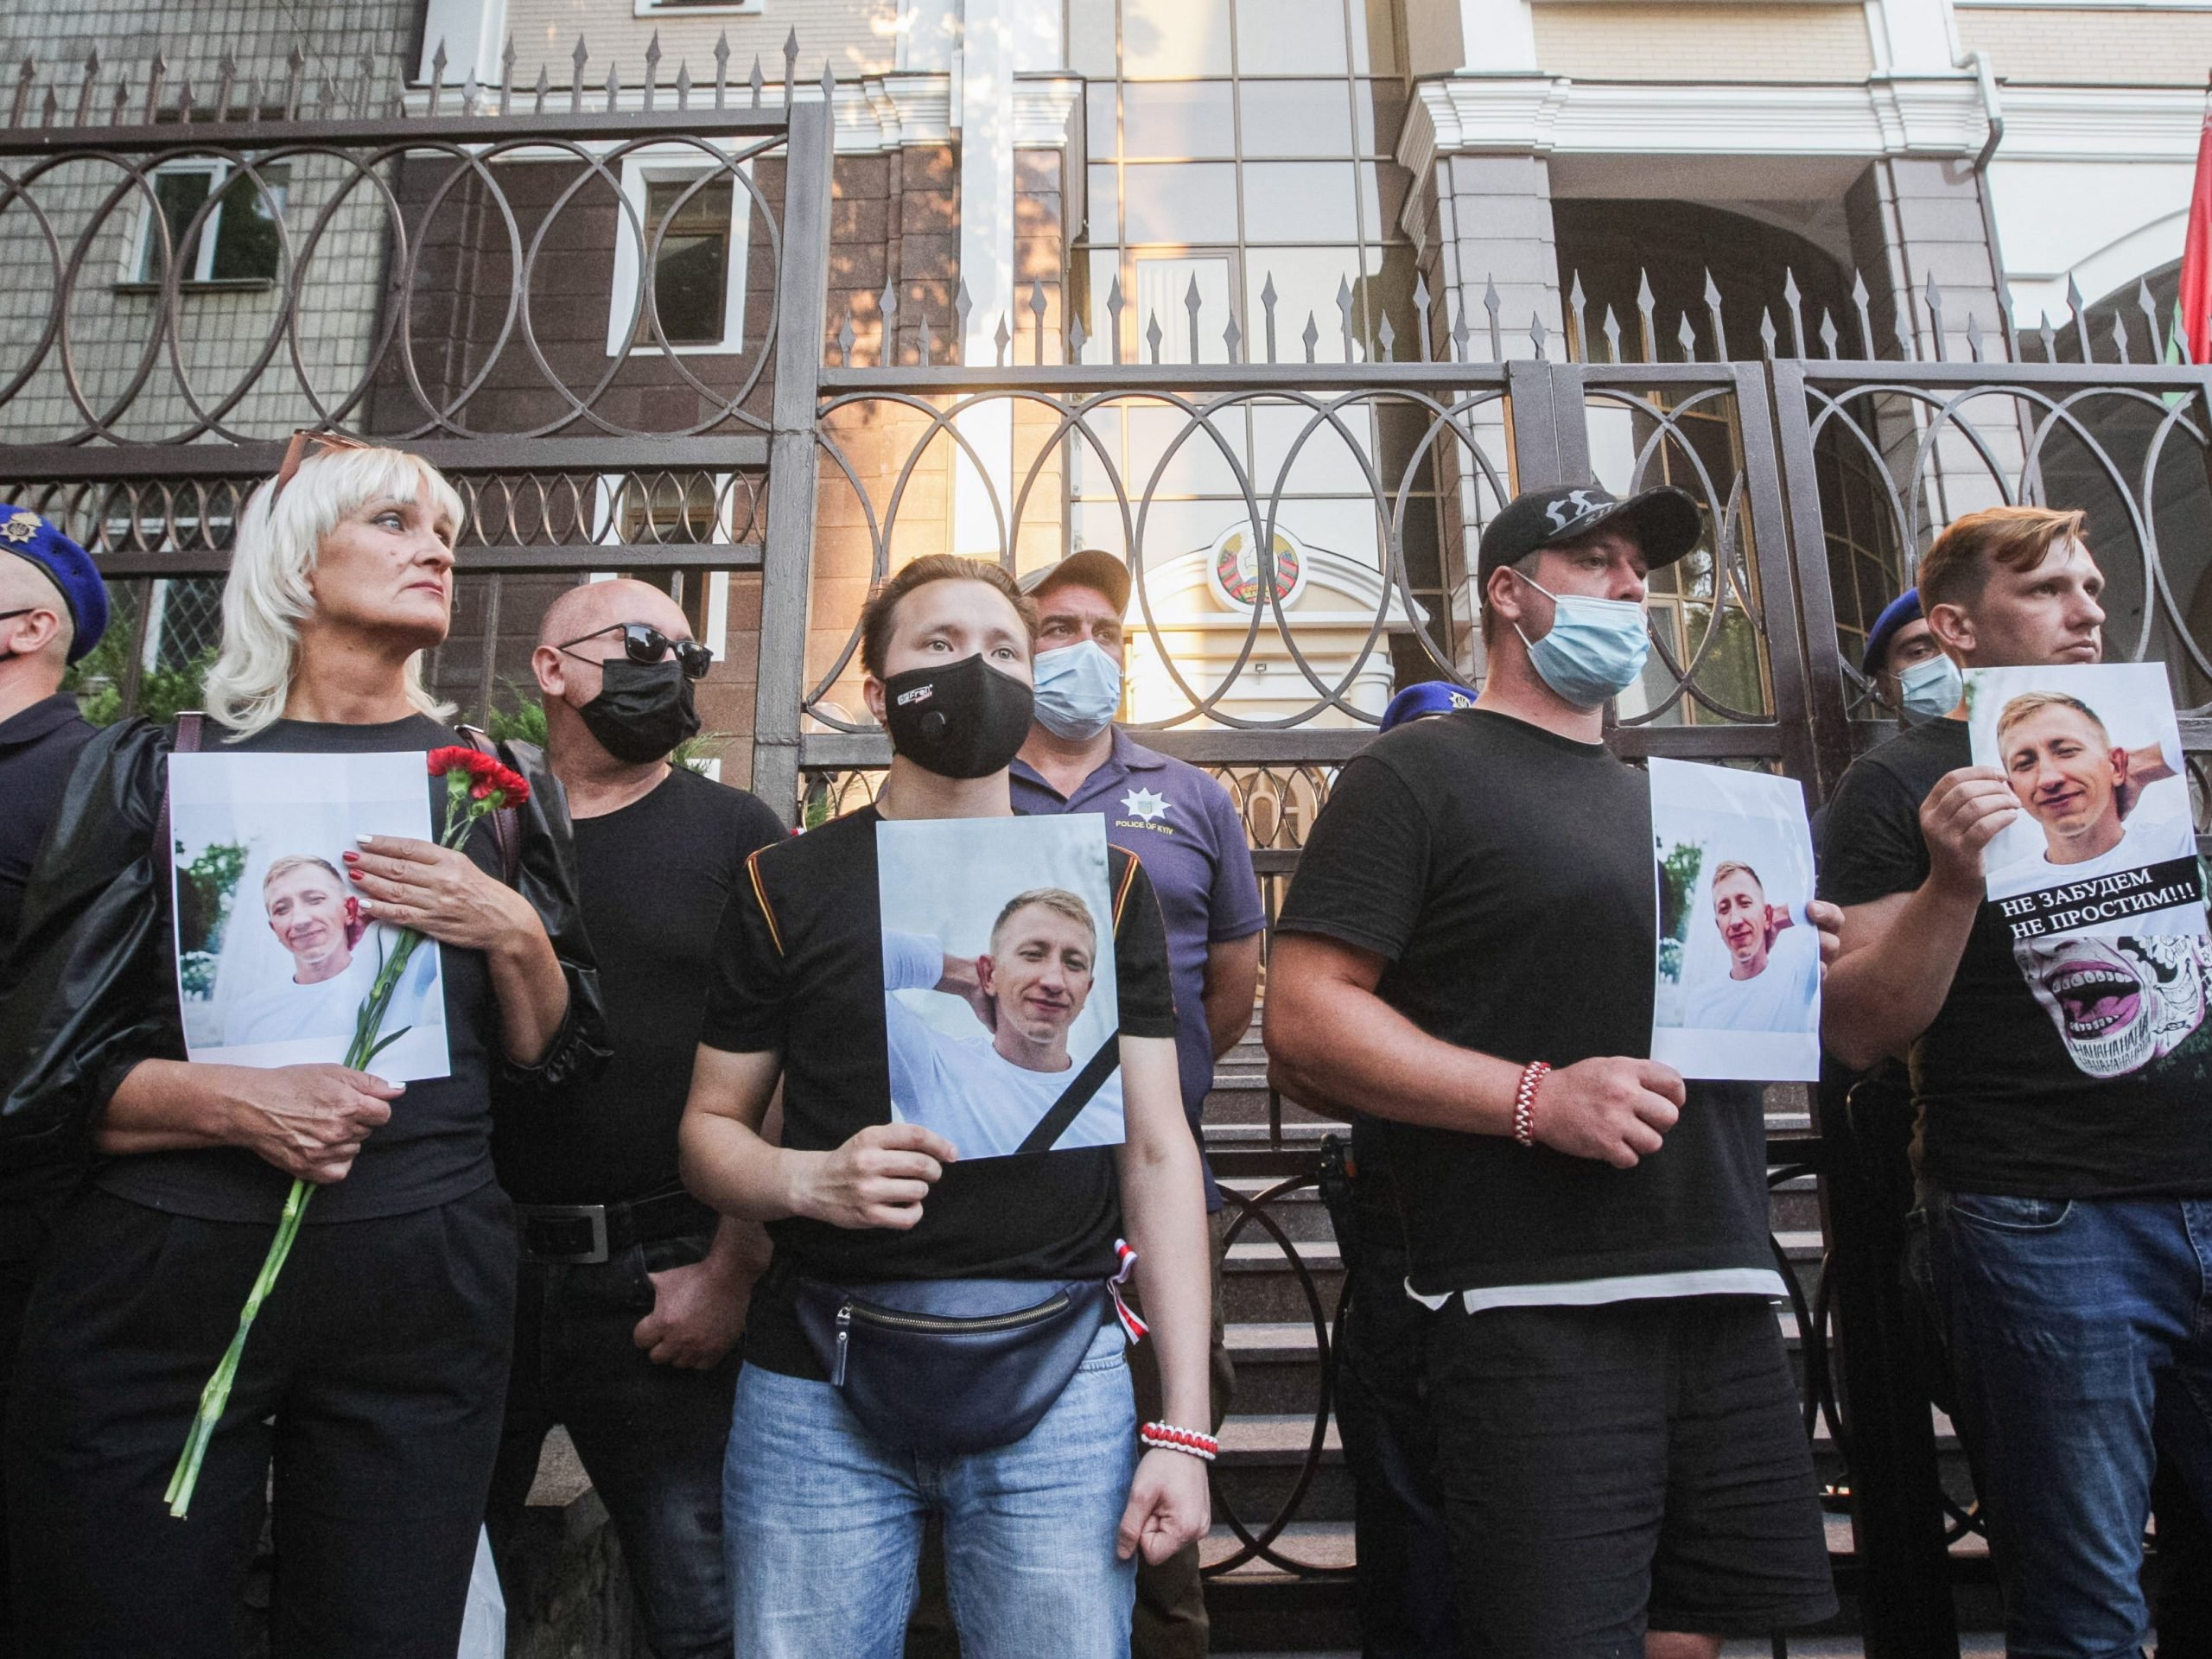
474, 33
1499, 36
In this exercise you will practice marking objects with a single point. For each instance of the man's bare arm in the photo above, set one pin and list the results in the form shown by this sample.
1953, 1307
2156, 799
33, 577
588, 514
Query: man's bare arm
1331, 1036
1231, 987
877, 1179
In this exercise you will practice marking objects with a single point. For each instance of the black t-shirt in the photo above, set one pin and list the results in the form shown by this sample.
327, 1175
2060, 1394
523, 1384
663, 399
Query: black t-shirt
2055, 1068
38, 745
1506, 874
653, 878
798, 968
437, 1147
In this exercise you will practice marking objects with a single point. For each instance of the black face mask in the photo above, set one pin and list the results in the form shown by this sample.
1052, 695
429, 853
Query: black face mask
964, 719
642, 711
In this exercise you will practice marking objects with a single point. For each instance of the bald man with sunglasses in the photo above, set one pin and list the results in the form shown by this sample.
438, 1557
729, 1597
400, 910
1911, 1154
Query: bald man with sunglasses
633, 1293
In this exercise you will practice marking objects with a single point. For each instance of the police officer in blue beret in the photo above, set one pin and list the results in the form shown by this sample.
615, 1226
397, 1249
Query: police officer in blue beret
53, 610
1912, 677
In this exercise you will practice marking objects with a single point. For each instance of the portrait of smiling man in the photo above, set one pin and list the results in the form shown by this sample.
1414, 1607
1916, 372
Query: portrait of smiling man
991, 1073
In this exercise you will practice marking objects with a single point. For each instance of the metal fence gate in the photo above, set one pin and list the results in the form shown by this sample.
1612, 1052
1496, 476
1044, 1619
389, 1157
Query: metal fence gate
424, 287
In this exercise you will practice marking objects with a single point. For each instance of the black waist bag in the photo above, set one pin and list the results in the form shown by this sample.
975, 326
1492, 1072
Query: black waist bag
948, 1366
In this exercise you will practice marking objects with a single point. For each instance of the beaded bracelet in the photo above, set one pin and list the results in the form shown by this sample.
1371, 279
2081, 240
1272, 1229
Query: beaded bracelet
1169, 1438
1524, 1102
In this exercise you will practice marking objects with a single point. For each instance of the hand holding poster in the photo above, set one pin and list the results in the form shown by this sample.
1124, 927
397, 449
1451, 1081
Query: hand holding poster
274, 960
1001, 1017
2103, 844
1739, 980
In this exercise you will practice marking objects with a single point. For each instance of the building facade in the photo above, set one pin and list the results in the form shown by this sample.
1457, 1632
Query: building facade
1192, 182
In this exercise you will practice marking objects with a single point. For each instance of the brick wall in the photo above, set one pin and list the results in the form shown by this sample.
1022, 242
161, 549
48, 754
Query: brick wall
2091, 46
1656, 39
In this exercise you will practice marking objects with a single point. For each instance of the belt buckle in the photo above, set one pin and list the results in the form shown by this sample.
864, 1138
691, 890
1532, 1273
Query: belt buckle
594, 1213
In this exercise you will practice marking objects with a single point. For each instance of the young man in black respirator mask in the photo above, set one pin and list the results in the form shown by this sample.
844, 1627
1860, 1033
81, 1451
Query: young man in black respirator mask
824, 1499
633, 1292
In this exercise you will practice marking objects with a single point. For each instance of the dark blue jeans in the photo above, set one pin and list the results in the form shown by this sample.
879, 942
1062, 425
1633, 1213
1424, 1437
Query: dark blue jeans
650, 1436
2081, 1335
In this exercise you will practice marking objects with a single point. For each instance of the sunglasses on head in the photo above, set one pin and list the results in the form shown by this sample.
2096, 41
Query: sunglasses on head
643, 643
296, 451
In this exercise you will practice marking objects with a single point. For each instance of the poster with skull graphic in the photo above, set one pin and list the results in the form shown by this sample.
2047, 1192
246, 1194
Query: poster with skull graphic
2103, 843
2097, 881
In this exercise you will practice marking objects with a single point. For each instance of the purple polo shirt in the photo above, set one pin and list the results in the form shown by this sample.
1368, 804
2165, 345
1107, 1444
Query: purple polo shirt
1184, 828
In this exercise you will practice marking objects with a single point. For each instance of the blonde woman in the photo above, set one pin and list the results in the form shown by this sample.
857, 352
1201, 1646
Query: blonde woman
372, 1381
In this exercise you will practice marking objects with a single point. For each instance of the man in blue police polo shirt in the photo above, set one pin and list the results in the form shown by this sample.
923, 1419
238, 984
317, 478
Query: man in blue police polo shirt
1188, 833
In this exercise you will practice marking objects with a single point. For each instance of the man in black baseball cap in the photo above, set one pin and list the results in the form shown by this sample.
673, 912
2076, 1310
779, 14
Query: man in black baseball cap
1466, 957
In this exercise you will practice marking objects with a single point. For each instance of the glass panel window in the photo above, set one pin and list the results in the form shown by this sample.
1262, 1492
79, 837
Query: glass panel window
1193, 202
1299, 201
1098, 120
1163, 39
1290, 37
1306, 281
238, 240
1172, 119
1379, 108
247, 247
1163, 288
1296, 117
1091, 38
691, 267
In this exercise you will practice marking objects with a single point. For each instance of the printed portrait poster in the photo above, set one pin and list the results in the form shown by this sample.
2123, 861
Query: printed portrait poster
273, 957
1738, 983
999, 1004
2103, 845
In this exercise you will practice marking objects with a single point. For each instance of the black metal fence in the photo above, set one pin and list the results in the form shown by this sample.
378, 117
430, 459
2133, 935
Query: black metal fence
1298, 501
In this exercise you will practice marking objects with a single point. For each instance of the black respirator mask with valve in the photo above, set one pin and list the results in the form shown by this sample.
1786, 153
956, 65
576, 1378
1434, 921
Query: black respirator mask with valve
960, 720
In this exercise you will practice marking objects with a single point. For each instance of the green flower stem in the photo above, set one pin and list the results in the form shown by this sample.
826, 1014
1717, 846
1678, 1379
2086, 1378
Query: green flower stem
461, 815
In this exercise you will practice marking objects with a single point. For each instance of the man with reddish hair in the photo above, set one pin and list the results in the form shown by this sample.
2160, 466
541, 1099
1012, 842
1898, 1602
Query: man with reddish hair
2064, 1094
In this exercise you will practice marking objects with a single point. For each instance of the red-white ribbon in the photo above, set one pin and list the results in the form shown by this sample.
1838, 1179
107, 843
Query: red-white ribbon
1125, 1254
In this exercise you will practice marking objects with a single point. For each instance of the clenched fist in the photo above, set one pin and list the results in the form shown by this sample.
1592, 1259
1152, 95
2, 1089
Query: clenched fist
1612, 1109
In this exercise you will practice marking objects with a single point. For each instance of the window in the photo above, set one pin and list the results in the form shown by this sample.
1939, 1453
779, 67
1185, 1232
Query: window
237, 241
691, 265
654, 8
701, 219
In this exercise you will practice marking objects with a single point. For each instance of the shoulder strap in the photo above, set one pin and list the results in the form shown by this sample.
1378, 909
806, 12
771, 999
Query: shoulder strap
1077, 1096
507, 822
191, 726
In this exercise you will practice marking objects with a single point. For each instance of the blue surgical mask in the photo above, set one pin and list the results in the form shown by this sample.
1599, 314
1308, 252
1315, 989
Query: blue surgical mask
1078, 689
1595, 650
1931, 689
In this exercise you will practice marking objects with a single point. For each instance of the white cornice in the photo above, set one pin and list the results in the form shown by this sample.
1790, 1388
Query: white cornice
883, 112
2101, 124
1885, 115
1044, 110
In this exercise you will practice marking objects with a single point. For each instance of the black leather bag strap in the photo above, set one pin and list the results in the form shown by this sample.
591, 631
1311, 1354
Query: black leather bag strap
507, 822
191, 728
1073, 1098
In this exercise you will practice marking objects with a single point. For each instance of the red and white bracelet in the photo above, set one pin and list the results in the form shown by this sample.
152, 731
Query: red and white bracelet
1524, 1102
1188, 1440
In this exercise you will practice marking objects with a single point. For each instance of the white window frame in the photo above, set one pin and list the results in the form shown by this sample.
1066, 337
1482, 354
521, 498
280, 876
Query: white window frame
698, 9
219, 173
675, 165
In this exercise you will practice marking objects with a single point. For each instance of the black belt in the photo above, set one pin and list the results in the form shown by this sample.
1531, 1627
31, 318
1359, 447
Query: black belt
579, 1235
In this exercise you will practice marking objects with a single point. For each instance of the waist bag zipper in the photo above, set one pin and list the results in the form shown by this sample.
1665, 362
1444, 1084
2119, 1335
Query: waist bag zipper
850, 1311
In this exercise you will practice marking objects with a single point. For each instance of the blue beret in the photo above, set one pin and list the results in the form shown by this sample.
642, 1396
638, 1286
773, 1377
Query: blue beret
1904, 608
1429, 697
67, 565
